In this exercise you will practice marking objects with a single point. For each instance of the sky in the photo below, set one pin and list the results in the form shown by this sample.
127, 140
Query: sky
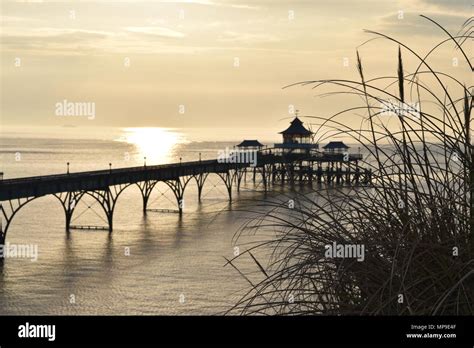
202, 63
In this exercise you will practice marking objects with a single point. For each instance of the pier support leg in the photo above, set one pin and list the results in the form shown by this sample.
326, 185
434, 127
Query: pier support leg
107, 199
2, 242
228, 179
283, 172
107, 202
368, 176
178, 186
291, 174
319, 173
264, 178
200, 179
146, 187
69, 202
356, 178
8, 212
238, 177
300, 170
266, 173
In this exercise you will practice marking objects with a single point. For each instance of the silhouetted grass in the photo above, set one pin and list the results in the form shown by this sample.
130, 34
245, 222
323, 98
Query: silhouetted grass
415, 219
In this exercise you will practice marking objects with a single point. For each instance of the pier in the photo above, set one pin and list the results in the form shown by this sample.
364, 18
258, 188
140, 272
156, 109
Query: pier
287, 163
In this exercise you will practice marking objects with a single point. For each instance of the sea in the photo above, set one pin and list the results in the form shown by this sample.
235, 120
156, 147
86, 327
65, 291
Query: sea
161, 263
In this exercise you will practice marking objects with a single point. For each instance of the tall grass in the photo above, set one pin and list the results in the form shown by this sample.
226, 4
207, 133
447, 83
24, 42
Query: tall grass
415, 219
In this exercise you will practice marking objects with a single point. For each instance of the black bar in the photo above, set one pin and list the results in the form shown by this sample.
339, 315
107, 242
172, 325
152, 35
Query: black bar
137, 330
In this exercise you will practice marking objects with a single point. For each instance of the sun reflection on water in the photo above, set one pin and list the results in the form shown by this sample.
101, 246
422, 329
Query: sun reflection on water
156, 144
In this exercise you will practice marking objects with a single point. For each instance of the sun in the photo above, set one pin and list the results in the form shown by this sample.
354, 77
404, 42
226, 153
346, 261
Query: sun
156, 144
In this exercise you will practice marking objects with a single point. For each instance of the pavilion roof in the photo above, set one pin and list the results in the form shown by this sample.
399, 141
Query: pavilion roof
335, 145
297, 128
250, 143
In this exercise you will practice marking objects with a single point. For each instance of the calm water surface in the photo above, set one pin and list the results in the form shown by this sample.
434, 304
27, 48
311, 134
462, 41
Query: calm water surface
175, 266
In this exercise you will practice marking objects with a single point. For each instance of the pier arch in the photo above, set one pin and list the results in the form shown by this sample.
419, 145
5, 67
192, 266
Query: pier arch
107, 198
8, 213
9, 209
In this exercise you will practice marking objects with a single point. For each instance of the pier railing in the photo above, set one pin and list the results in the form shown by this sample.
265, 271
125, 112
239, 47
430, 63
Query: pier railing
105, 186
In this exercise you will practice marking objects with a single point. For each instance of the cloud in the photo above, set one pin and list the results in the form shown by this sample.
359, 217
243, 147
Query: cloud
156, 31
447, 4
44, 41
413, 25
247, 38
12, 19
219, 3
51, 32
